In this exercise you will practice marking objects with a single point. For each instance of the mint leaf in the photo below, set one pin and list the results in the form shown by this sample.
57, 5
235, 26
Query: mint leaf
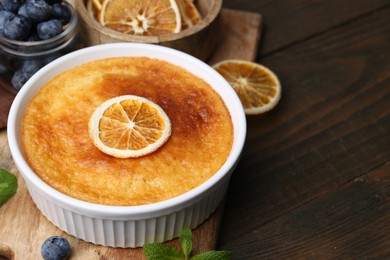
8, 185
186, 241
213, 255
156, 251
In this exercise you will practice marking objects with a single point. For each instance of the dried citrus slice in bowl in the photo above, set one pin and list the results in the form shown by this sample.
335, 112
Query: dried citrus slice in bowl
189, 13
129, 126
148, 17
257, 87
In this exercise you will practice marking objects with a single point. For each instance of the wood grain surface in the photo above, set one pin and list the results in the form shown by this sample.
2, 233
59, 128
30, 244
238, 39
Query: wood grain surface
290, 22
23, 229
313, 182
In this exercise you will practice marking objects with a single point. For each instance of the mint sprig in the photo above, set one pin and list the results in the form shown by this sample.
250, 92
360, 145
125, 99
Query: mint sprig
8, 185
212, 255
156, 251
159, 251
186, 241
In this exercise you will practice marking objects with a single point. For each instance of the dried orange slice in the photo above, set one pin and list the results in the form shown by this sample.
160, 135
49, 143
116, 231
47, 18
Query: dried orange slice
189, 13
129, 126
148, 17
97, 4
257, 87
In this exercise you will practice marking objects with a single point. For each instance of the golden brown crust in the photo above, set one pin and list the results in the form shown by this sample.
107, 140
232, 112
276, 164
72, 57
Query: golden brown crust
58, 148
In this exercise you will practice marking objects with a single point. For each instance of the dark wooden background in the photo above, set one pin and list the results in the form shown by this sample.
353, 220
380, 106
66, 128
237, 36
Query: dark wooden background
314, 179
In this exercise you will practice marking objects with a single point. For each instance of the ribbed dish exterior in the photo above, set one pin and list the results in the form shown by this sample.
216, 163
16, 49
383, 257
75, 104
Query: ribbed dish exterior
128, 233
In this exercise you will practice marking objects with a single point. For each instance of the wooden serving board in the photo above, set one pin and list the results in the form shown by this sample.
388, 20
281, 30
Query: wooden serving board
23, 229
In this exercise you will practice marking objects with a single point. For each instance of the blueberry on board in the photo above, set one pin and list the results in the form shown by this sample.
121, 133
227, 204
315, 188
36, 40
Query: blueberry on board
4, 16
55, 248
61, 12
31, 66
49, 29
10, 5
19, 78
38, 10
17, 28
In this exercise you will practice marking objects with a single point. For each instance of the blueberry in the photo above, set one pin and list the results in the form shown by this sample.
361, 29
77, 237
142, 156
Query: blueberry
55, 248
52, 2
31, 66
61, 12
37, 10
19, 78
49, 58
3, 66
33, 37
17, 28
4, 16
10, 5
23, 10
49, 29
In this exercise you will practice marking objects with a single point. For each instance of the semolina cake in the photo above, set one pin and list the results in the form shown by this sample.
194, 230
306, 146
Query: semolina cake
58, 147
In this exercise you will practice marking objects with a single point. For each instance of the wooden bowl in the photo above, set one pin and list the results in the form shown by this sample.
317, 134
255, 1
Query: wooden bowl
199, 40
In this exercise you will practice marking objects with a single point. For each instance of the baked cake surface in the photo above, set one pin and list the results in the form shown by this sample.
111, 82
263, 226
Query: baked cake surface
57, 145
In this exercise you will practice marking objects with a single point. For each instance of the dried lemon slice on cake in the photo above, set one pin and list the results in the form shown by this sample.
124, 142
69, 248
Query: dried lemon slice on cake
148, 17
257, 87
129, 126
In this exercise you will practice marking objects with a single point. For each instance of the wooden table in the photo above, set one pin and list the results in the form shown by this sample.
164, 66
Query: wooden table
314, 179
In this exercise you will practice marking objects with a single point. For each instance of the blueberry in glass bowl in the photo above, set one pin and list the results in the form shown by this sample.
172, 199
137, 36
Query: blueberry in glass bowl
33, 33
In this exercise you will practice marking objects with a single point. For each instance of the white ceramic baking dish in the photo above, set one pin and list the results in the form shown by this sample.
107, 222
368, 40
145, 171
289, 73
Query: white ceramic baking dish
127, 226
